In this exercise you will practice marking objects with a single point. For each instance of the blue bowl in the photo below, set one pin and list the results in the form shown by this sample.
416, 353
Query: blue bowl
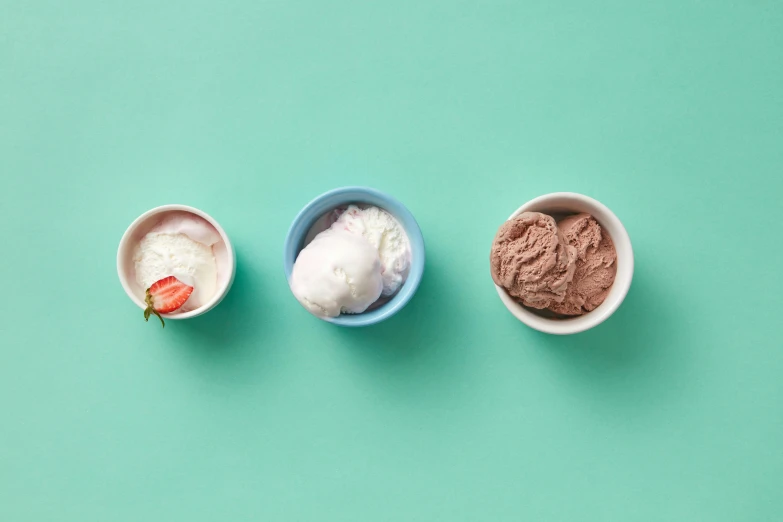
294, 243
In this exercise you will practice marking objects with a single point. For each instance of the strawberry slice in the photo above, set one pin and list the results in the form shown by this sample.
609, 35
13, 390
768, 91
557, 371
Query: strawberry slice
165, 296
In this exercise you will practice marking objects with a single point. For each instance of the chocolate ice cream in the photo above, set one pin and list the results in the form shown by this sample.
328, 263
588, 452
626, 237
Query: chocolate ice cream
532, 261
596, 265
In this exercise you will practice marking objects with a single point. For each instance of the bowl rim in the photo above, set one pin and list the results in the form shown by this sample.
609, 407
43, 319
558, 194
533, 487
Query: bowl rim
592, 319
219, 295
401, 213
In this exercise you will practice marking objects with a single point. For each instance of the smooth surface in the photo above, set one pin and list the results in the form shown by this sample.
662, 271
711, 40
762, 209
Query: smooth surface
556, 204
668, 112
343, 196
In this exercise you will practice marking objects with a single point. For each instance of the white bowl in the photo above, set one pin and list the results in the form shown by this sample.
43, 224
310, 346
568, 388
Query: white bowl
224, 257
572, 203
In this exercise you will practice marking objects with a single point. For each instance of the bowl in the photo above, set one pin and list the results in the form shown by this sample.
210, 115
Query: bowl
560, 203
224, 257
340, 197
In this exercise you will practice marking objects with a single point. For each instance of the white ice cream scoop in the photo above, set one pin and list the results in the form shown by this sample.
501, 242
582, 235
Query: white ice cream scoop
387, 235
338, 272
319, 215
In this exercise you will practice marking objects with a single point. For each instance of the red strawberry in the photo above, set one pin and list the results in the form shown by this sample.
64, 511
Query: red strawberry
165, 296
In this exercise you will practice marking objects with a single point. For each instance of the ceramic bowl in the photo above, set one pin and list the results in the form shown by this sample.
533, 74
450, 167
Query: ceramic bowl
342, 197
224, 257
558, 204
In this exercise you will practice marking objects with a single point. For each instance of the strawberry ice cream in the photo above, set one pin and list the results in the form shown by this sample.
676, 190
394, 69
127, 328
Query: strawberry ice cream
180, 245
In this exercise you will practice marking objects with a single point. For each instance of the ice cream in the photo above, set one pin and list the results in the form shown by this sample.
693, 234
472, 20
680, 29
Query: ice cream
364, 255
180, 245
387, 236
531, 260
338, 272
568, 267
596, 265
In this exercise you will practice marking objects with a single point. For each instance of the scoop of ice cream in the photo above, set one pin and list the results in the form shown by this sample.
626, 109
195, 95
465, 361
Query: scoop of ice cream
337, 272
596, 265
386, 234
180, 246
531, 260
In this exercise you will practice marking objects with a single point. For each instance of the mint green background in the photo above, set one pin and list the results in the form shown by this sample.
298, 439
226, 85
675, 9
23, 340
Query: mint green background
671, 113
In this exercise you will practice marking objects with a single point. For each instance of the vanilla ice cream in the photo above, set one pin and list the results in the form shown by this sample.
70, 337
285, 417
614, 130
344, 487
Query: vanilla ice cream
387, 236
338, 272
180, 245
364, 255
